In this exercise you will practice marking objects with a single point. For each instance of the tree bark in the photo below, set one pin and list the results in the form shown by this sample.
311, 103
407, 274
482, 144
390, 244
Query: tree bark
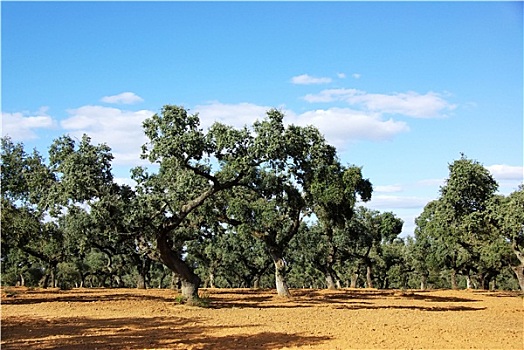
143, 272
330, 278
454, 279
468, 282
423, 281
369, 276
256, 282
189, 280
519, 272
140, 282
280, 272
211, 279
354, 279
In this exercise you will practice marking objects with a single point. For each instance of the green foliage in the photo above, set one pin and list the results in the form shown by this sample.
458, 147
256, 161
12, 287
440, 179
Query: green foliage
229, 206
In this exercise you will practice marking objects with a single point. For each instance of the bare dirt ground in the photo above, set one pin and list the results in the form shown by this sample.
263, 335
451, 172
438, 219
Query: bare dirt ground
258, 319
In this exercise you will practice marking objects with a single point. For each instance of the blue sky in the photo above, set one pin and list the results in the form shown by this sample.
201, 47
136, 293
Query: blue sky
401, 88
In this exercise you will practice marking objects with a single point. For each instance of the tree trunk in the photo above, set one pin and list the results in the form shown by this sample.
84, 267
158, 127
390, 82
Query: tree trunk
22, 280
175, 281
211, 279
423, 281
189, 280
328, 269
468, 281
143, 271
369, 276
256, 282
354, 279
330, 278
280, 272
494, 283
519, 272
140, 282
454, 279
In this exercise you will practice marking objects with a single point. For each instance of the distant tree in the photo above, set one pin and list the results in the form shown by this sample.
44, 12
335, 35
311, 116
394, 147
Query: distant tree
459, 220
424, 254
367, 231
508, 215
334, 193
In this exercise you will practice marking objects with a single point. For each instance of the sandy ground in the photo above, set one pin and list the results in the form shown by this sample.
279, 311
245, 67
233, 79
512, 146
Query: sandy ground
257, 319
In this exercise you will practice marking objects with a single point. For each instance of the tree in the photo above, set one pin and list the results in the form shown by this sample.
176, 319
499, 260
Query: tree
460, 216
508, 215
366, 232
423, 249
334, 194
193, 168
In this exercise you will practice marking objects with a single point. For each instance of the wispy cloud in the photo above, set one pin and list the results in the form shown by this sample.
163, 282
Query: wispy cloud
22, 126
413, 104
356, 75
391, 202
506, 172
125, 98
343, 125
387, 189
340, 126
306, 79
120, 129
237, 115
432, 182
341, 75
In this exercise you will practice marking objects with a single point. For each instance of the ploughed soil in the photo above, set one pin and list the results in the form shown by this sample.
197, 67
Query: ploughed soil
258, 319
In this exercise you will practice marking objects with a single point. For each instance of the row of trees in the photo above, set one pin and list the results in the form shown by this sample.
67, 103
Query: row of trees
231, 207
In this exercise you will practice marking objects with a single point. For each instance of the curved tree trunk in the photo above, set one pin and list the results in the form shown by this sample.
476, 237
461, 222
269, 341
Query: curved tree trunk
280, 272
519, 270
189, 280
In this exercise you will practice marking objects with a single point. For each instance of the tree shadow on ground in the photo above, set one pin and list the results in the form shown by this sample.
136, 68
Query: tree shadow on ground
138, 333
358, 306
83, 298
350, 299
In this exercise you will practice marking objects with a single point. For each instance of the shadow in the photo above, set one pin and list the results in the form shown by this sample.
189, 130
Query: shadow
137, 333
358, 306
436, 299
303, 298
249, 302
83, 298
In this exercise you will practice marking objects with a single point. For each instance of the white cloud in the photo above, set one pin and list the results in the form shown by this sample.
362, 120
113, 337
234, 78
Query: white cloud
237, 115
340, 126
306, 79
120, 129
341, 75
21, 126
343, 125
432, 182
356, 75
387, 189
506, 172
330, 95
410, 103
123, 98
125, 181
391, 202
